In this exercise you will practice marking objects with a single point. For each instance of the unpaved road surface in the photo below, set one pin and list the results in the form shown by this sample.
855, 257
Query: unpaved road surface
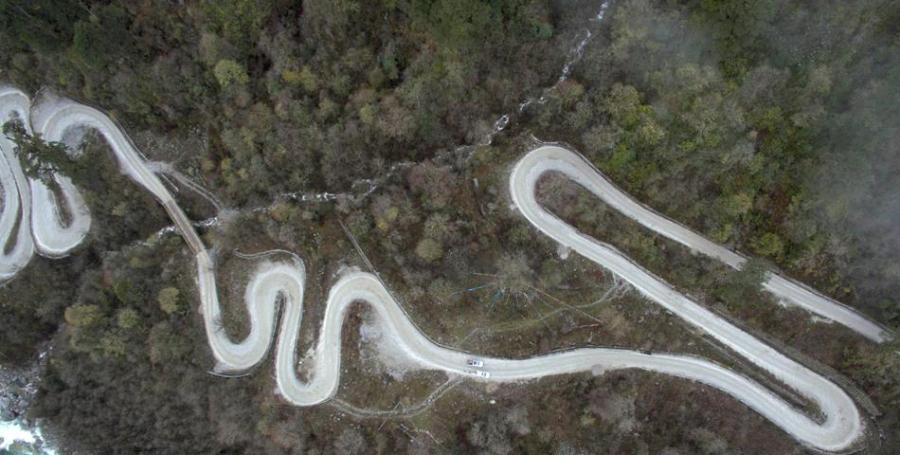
840, 429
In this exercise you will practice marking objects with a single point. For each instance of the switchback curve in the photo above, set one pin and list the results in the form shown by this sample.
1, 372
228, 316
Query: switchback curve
31, 219
284, 282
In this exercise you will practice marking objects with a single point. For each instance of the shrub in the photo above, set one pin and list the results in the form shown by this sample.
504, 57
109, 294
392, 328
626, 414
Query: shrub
83, 315
429, 249
229, 72
128, 318
168, 300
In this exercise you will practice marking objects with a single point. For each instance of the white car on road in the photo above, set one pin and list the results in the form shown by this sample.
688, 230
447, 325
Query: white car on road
479, 373
478, 363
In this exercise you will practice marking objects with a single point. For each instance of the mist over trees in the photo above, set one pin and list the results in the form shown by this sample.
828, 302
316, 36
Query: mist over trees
781, 114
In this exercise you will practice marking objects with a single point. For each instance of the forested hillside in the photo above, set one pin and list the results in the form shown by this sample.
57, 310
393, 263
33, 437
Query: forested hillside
770, 127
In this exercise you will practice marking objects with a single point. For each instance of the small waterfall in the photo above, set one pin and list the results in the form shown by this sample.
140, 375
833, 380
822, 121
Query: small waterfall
575, 56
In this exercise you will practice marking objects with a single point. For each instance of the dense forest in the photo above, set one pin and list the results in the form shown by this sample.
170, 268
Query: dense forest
771, 127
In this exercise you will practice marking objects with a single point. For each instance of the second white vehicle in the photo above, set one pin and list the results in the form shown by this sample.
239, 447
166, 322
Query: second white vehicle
479, 373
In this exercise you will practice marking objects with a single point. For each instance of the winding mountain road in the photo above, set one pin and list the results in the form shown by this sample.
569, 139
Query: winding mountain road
16, 243
30, 205
841, 427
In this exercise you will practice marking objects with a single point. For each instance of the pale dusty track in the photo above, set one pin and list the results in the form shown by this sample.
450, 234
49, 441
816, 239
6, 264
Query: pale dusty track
284, 281
31, 204
554, 158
